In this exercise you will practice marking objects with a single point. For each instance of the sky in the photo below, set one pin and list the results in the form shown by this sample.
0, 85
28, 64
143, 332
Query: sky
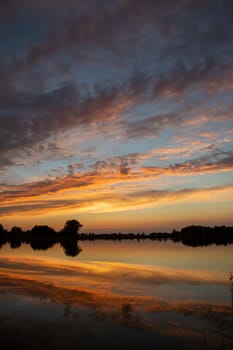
116, 113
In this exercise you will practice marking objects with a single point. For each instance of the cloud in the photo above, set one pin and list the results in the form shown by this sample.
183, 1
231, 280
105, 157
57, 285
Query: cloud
154, 125
40, 114
98, 196
102, 25
41, 206
106, 176
124, 72
27, 119
32, 119
216, 161
113, 28
118, 164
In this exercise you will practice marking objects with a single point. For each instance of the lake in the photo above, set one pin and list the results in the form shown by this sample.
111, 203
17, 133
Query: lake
116, 295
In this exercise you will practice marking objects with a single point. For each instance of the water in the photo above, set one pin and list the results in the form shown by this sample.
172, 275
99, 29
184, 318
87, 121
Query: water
111, 295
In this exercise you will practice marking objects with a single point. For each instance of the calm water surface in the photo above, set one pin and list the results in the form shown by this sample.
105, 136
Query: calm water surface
112, 295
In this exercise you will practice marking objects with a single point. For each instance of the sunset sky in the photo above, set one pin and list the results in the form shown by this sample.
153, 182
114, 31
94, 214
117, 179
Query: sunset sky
116, 113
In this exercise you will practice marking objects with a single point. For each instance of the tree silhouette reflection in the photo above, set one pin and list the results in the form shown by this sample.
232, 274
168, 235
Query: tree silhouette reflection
15, 244
41, 244
70, 247
3, 241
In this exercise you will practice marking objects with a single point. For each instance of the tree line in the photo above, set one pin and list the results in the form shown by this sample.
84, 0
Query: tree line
194, 235
43, 237
70, 229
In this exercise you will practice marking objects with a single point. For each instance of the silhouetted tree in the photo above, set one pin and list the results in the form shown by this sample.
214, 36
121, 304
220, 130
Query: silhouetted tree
2, 230
42, 230
16, 230
71, 227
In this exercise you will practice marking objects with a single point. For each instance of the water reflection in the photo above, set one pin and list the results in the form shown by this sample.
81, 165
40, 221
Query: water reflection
231, 288
137, 320
53, 303
70, 246
44, 237
15, 244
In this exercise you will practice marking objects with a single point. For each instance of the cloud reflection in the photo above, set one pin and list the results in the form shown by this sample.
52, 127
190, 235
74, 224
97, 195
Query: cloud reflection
110, 272
99, 296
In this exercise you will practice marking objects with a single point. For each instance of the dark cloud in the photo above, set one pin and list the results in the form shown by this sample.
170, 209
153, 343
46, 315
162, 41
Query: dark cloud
194, 30
153, 125
172, 196
27, 119
6, 162
162, 49
214, 161
40, 206
120, 164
